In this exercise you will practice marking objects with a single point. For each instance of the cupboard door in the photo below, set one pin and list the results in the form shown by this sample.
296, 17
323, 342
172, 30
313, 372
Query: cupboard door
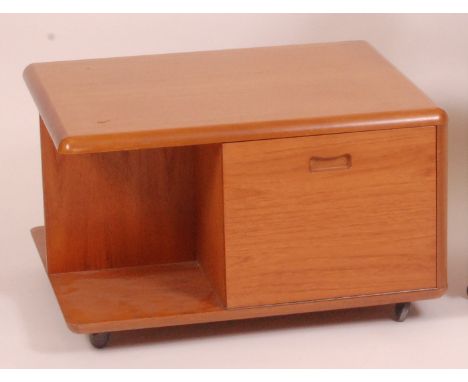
330, 216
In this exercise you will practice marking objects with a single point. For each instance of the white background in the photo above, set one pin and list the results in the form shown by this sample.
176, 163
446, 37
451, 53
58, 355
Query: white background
432, 50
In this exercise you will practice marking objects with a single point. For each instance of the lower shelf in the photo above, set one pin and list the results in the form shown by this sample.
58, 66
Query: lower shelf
171, 294
134, 293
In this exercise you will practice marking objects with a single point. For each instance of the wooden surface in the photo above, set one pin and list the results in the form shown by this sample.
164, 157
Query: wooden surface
118, 209
167, 295
210, 219
442, 167
133, 293
39, 238
223, 96
295, 235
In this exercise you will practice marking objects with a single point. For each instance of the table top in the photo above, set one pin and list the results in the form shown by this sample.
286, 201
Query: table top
233, 95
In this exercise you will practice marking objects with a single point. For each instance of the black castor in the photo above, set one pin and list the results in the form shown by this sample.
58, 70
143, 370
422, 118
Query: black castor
99, 340
401, 311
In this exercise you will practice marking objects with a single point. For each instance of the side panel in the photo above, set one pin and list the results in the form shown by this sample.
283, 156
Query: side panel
442, 206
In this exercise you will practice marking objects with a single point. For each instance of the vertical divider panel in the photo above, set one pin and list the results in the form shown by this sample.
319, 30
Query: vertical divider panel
210, 216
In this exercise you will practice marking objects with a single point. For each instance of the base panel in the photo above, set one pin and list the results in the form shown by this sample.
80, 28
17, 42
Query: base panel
173, 294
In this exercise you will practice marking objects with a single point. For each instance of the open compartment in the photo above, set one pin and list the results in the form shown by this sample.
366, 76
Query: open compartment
134, 234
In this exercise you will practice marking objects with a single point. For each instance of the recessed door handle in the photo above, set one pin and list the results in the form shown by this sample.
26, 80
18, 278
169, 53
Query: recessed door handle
341, 162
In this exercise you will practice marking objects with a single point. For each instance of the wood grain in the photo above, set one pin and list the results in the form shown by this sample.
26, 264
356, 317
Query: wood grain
223, 96
212, 314
133, 293
168, 295
118, 209
292, 235
442, 206
210, 219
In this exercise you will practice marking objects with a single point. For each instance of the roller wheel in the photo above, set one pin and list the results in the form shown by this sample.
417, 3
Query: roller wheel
99, 340
401, 311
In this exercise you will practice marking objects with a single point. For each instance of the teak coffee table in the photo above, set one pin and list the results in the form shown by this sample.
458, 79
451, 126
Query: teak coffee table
209, 186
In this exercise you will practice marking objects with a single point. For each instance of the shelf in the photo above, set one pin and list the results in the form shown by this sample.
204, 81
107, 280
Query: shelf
133, 293
130, 294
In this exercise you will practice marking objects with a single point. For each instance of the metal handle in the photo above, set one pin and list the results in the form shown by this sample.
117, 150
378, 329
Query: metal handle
341, 162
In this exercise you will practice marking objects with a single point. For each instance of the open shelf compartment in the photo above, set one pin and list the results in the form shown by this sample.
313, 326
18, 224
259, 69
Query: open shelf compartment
130, 295
133, 235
